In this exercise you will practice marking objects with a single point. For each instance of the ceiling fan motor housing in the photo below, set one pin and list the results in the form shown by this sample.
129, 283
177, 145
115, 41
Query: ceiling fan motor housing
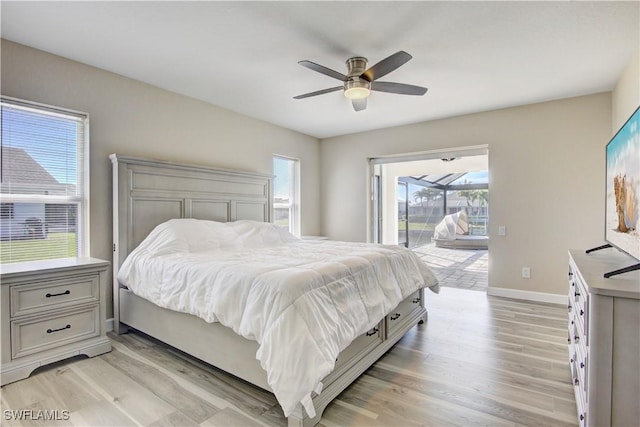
356, 66
356, 87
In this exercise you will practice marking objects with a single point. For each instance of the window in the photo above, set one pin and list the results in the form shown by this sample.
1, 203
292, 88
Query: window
43, 182
286, 194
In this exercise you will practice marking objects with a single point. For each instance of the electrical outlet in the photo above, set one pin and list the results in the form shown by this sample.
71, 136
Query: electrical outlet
502, 230
526, 273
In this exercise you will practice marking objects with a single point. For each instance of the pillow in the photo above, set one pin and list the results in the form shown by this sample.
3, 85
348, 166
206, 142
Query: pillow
179, 235
252, 234
195, 235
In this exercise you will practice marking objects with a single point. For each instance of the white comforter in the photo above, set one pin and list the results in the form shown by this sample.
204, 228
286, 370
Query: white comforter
302, 301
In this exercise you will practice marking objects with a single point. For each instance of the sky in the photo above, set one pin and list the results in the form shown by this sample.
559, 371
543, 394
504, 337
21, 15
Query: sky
281, 181
52, 141
623, 152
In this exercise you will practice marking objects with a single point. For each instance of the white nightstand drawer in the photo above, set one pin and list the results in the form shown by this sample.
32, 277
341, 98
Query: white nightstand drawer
52, 294
44, 332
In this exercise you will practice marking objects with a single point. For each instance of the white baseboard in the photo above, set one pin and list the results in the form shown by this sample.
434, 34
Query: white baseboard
528, 295
109, 324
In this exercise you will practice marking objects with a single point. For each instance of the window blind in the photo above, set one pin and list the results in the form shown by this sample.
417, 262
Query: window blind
42, 182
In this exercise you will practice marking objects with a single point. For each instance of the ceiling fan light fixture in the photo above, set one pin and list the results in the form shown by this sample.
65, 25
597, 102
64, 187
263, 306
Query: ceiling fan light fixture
357, 88
357, 93
360, 80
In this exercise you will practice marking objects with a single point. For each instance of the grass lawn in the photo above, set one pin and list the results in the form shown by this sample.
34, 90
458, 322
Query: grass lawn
415, 226
56, 245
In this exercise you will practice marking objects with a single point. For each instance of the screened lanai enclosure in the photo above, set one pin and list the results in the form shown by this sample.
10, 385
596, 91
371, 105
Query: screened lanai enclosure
423, 201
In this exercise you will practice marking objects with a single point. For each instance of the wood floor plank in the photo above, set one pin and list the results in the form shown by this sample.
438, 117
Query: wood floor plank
229, 417
167, 389
454, 393
390, 399
231, 390
506, 361
102, 413
22, 394
478, 360
455, 370
137, 402
499, 385
175, 419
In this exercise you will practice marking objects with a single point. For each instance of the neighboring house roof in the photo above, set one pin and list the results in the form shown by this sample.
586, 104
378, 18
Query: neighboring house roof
18, 167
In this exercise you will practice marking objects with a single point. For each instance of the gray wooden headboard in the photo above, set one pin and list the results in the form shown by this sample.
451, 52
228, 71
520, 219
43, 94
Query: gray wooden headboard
149, 192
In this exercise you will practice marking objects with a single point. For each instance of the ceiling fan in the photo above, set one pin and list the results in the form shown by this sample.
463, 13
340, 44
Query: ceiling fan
360, 81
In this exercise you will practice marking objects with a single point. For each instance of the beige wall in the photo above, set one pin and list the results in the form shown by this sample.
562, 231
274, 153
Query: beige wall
626, 94
546, 181
132, 118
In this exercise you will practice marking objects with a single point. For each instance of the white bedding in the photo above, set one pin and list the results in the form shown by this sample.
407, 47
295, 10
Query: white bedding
302, 301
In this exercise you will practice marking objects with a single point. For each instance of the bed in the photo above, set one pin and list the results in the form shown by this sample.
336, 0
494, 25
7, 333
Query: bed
151, 197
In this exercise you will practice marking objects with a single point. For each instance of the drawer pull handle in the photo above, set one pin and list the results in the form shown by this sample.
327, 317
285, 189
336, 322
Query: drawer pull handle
577, 294
576, 382
581, 312
581, 417
396, 316
67, 292
50, 331
569, 306
582, 365
576, 338
416, 300
372, 332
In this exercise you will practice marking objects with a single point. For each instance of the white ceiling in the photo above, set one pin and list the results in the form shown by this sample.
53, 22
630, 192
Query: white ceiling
473, 56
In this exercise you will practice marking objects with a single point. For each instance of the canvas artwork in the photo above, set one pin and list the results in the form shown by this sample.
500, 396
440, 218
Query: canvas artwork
623, 188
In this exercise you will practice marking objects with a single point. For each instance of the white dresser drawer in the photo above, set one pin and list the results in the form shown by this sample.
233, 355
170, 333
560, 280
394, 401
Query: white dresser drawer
397, 316
41, 333
371, 338
52, 294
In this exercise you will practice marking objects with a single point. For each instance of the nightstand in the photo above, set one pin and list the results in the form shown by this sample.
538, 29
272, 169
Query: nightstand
51, 310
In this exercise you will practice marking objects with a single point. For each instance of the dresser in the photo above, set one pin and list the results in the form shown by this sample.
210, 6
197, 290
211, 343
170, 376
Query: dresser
51, 310
604, 338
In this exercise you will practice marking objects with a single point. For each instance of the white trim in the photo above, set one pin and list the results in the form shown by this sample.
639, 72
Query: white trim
84, 233
474, 150
43, 108
109, 324
528, 295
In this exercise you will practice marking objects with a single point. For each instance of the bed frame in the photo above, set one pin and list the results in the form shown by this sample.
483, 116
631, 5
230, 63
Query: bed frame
147, 193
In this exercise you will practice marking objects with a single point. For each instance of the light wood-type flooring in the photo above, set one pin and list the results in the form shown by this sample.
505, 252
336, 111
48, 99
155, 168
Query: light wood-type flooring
477, 361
